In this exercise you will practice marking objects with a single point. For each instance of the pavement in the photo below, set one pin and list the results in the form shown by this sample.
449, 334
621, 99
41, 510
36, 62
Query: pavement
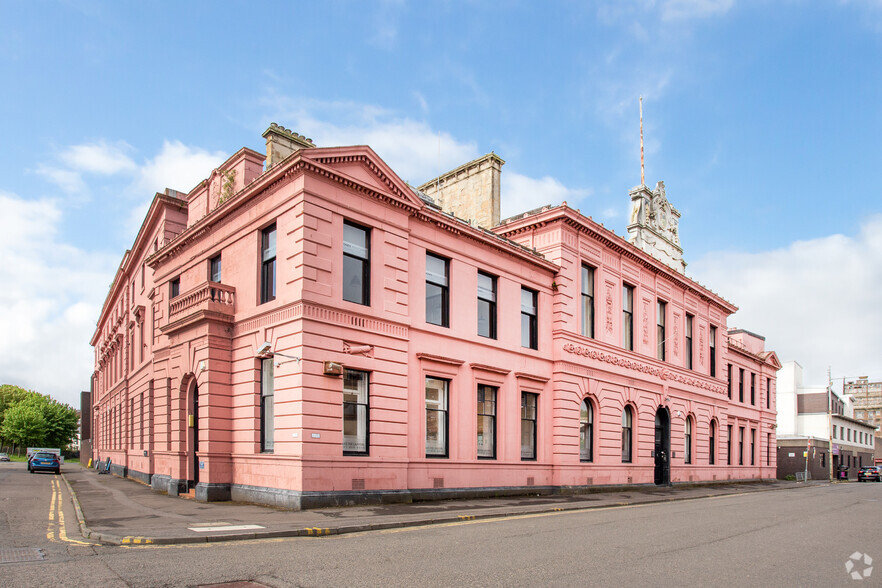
122, 511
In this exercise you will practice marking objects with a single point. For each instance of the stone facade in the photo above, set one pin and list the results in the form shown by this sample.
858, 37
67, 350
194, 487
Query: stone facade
321, 333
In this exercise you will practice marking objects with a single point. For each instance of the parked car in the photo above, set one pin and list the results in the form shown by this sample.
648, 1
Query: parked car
44, 461
873, 473
4, 457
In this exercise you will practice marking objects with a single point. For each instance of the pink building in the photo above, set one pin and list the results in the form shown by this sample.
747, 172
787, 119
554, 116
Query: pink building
304, 328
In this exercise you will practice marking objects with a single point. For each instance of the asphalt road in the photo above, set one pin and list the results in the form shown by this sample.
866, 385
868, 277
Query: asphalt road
800, 537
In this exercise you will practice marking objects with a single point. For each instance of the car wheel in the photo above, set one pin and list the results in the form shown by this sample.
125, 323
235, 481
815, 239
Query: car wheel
58, 471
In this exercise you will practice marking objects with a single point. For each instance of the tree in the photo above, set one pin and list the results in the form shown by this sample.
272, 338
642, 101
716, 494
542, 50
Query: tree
29, 418
24, 424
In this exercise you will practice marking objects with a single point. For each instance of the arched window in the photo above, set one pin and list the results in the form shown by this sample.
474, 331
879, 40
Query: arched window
627, 436
712, 443
688, 439
586, 431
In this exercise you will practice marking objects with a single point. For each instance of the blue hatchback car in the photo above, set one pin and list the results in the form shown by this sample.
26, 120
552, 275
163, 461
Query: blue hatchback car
44, 461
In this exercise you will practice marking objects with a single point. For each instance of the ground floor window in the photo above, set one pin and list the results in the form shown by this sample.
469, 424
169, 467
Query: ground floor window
740, 445
436, 417
355, 412
586, 431
486, 422
688, 439
712, 443
528, 425
627, 430
267, 410
752, 446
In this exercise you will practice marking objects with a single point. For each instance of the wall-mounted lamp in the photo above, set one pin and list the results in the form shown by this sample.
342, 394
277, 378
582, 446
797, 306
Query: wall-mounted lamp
265, 351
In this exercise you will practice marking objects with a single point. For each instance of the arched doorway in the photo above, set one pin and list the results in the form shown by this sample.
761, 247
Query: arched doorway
662, 451
193, 436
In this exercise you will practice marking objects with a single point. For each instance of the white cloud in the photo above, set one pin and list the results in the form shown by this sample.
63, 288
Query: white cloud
52, 293
176, 166
816, 302
99, 158
689, 9
70, 182
411, 148
521, 193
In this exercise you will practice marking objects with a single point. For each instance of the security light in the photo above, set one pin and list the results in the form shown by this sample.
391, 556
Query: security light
265, 350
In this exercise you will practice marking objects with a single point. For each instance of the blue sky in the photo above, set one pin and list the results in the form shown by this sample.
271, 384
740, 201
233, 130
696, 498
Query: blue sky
763, 118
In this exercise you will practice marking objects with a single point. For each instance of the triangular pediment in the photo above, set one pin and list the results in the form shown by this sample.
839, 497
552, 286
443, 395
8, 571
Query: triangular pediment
360, 164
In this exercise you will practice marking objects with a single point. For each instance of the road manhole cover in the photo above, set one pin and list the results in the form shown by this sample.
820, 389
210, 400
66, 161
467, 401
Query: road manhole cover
19, 554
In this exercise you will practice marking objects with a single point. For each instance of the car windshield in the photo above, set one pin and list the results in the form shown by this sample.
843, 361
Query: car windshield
44, 455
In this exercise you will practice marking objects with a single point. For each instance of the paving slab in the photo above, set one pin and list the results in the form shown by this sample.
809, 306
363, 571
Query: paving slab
123, 511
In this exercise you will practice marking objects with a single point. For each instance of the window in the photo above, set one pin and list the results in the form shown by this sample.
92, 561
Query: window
688, 342
486, 422
355, 412
740, 384
729, 379
661, 309
437, 290
848, 434
214, 269
528, 425
627, 317
752, 446
268, 264
712, 353
174, 288
740, 445
712, 443
267, 415
588, 301
834, 431
627, 424
486, 305
436, 417
688, 439
769, 442
586, 431
752, 388
729, 445
529, 323
768, 392
356, 264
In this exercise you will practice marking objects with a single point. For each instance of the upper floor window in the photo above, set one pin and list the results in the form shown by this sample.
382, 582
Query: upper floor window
528, 425
486, 421
355, 412
486, 305
689, 341
740, 384
437, 290
712, 353
752, 388
627, 434
436, 417
729, 380
268, 264
587, 301
174, 288
628, 317
356, 264
214, 269
661, 310
529, 319
768, 392
586, 431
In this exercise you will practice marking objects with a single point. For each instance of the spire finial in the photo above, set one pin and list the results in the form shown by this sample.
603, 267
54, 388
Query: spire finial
642, 176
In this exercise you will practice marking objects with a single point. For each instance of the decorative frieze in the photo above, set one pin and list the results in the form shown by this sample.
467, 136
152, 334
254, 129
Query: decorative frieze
642, 367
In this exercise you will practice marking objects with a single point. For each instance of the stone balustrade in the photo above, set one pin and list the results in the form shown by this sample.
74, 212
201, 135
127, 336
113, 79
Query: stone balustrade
206, 296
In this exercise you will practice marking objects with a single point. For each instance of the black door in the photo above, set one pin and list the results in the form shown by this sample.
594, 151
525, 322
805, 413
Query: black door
195, 435
662, 447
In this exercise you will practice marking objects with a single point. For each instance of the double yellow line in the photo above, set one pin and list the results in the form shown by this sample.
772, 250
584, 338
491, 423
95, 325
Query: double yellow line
56, 531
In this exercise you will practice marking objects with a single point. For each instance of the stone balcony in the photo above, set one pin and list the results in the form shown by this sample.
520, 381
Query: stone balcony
208, 301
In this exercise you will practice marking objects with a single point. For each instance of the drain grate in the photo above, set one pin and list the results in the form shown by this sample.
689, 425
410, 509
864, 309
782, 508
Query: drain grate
19, 554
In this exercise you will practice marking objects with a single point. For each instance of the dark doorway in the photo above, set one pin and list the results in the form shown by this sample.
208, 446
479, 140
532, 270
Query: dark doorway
194, 437
662, 451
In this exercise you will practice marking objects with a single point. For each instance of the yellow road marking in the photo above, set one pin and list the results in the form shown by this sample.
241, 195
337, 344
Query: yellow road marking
56, 530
